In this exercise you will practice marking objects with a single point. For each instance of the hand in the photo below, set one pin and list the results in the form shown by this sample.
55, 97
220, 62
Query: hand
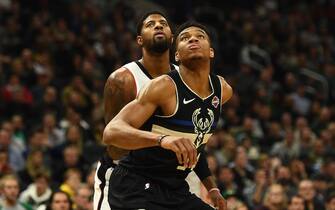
219, 202
184, 148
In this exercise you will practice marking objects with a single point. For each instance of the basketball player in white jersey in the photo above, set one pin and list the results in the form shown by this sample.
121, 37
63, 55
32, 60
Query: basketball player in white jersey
155, 38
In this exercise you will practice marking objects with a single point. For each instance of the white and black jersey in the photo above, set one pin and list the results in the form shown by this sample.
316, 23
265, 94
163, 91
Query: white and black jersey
106, 164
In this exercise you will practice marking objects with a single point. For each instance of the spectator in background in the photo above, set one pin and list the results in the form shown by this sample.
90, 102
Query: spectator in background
18, 98
287, 149
286, 122
59, 200
49, 104
35, 164
39, 192
56, 136
72, 181
298, 171
10, 189
307, 191
296, 203
73, 137
71, 159
72, 117
4, 164
242, 170
254, 194
301, 103
226, 184
228, 149
275, 198
283, 177
77, 96
19, 135
16, 160
83, 198
43, 81
330, 202
233, 203
321, 121
38, 140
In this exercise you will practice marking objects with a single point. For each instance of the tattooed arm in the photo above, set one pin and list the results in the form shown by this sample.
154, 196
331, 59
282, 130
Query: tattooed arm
119, 90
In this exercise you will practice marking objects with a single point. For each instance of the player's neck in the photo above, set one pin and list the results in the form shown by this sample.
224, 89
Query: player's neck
156, 64
197, 79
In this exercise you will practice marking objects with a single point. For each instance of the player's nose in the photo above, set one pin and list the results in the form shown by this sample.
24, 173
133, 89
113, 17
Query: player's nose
158, 26
193, 39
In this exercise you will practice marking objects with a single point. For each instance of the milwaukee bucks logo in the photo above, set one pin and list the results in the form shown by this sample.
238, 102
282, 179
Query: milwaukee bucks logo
202, 124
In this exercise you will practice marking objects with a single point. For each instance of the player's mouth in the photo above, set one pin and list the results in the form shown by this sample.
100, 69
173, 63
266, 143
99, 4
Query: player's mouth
159, 34
194, 46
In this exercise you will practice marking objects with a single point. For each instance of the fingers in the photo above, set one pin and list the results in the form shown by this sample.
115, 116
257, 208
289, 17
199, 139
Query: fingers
178, 152
188, 153
191, 153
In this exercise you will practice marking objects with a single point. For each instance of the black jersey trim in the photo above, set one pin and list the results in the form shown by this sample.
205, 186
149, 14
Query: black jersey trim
221, 95
190, 89
144, 70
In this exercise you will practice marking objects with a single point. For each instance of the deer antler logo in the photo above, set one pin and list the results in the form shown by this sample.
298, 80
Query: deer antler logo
202, 125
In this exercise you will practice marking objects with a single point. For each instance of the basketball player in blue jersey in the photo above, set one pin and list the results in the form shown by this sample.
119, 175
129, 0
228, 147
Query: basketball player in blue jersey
180, 111
123, 85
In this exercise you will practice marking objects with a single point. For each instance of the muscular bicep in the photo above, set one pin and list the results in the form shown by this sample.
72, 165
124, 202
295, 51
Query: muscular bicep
119, 90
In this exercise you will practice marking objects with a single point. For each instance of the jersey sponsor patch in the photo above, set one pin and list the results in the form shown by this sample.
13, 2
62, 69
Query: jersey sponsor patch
215, 101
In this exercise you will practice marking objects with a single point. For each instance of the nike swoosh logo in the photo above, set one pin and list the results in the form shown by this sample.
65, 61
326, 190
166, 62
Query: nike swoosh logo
188, 101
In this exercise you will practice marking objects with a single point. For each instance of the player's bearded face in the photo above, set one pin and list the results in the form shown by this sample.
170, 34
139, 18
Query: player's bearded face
158, 44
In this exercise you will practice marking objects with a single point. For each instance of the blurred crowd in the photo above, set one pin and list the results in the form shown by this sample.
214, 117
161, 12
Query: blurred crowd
275, 145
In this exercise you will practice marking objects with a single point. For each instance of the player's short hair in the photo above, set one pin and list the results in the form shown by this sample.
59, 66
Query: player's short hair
189, 24
145, 16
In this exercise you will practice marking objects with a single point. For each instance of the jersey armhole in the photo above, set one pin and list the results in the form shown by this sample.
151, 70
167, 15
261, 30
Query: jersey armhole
135, 82
177, 102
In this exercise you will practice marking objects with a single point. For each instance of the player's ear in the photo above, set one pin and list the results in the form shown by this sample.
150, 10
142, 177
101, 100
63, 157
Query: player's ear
176, 56
211, 52
139, 40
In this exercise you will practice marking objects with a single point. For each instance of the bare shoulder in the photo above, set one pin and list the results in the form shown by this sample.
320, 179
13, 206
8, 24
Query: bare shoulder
120, 77
227, 90
120, 89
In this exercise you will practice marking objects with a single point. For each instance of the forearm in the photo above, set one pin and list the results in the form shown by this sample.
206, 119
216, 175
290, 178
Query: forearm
120, 134
209, 183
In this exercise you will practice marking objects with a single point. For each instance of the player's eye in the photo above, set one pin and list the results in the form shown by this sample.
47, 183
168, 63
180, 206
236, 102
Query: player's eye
150, 24
163, 23
201, 36
184, 38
